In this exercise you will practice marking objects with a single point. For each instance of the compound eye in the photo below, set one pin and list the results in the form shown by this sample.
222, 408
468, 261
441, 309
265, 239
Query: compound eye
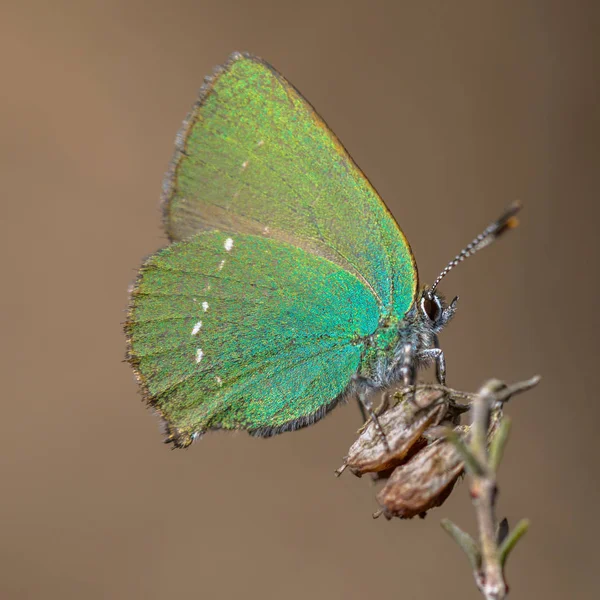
431, 307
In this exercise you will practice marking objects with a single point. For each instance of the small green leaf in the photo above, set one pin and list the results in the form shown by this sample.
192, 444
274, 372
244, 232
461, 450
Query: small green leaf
473, 465
511, 540
498, 443
465, 541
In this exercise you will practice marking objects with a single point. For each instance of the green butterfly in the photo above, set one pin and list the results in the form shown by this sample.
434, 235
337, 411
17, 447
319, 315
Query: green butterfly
288, 285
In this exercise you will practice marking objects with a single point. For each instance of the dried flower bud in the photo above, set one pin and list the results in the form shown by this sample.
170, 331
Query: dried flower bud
423, 482
403, 426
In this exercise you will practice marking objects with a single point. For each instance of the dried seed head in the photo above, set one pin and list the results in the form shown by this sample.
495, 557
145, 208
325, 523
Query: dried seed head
424, 461
423, 482
403, 426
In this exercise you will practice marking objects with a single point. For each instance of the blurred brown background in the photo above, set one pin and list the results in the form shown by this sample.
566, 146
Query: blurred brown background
453, 110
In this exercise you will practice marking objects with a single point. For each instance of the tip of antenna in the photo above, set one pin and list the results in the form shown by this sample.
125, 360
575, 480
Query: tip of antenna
512, 223
508, 220
515, 206
511, 211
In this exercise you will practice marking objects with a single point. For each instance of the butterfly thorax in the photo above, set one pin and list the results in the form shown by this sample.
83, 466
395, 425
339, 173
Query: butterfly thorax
416, 332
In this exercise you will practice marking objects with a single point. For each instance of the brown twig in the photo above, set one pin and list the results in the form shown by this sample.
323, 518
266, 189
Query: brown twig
482, 455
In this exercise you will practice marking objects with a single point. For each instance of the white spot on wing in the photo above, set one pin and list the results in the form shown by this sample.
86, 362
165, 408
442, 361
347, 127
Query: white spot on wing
205, 306
199, 355
228, 244
197, 327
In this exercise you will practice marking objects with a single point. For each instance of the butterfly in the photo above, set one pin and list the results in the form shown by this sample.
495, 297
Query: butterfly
287, 286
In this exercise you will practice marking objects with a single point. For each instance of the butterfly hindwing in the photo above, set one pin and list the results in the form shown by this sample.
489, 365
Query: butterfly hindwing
238, 331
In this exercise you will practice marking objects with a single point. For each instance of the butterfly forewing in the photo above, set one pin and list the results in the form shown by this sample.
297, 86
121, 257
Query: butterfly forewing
254, 157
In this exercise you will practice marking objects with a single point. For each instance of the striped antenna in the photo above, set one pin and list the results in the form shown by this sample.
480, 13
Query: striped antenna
487, 236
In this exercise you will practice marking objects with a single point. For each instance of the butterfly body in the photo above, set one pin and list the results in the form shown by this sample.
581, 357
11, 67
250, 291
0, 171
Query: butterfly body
395, 343
288, 285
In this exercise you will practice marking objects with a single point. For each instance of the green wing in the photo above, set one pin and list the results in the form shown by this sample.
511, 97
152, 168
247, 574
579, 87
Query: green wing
236, 331
254, 157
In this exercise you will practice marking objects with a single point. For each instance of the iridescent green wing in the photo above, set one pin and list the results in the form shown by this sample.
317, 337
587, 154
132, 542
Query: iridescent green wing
238, 331
254, 157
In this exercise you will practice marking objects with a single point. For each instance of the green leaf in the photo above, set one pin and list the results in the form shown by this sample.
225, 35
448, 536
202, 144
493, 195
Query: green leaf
498, 443
471, 462
465, 541
511, 540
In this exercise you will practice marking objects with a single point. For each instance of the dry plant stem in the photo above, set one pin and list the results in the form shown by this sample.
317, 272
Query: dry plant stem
481, 460
490, 579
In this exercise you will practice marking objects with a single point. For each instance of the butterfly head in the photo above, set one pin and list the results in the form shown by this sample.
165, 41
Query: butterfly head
434, 312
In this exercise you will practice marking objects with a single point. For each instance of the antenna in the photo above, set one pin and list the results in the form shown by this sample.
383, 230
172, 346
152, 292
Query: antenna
487, 236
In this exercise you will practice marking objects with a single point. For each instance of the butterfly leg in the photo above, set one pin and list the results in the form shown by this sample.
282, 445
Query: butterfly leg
363, 391
383, 406
436, 354
408, 371
363, 412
